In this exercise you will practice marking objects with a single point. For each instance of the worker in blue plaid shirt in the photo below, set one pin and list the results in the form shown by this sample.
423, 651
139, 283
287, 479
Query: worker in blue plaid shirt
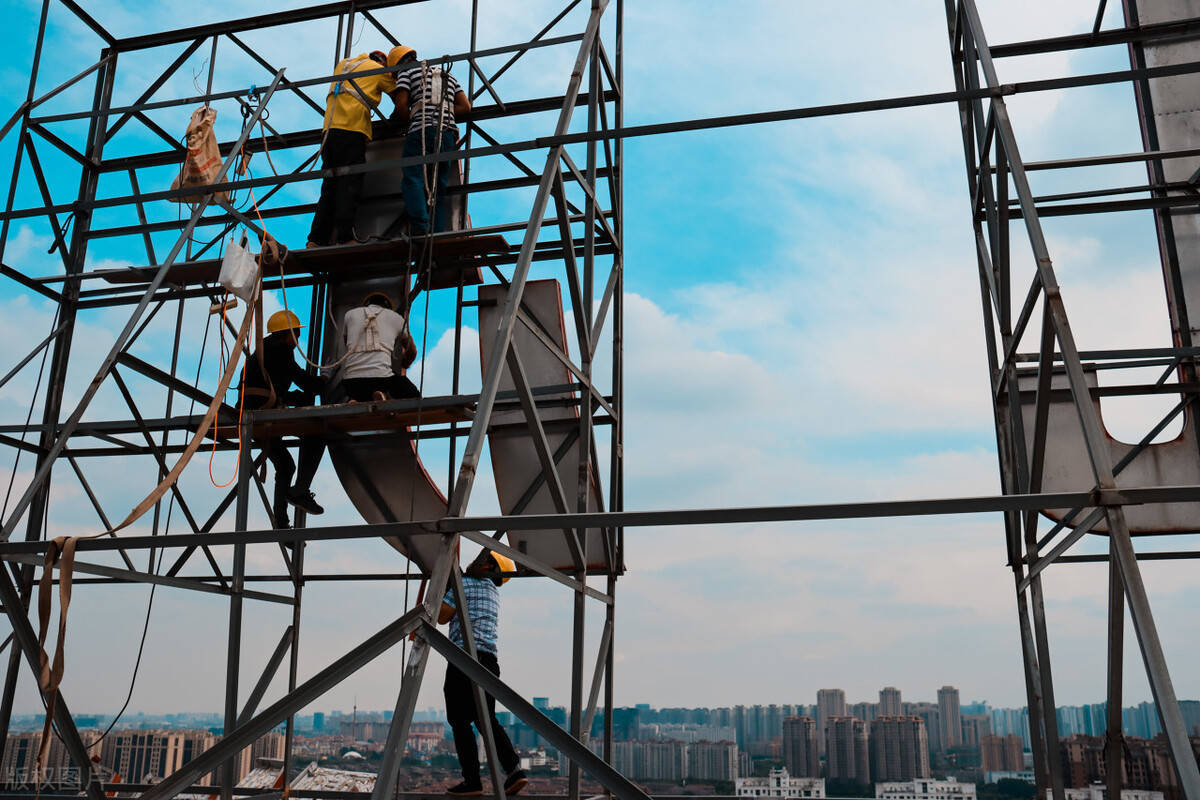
481, 582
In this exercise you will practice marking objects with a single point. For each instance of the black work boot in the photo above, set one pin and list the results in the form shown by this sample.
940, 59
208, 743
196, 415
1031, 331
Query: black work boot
304, 500
466, 789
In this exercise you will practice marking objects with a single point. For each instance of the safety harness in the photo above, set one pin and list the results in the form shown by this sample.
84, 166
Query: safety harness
349, 86
369, 341
433, 84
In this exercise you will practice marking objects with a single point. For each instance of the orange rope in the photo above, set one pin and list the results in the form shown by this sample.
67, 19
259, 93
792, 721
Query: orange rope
241, 410
241, 394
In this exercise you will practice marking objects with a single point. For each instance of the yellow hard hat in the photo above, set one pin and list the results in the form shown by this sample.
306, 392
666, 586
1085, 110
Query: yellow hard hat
504, 563
283, 321
397, 53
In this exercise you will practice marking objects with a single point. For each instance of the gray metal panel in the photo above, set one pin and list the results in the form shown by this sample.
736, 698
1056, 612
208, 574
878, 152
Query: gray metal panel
1174, 106
382, 204
386, 481
381, 472
515, 462
1067, 467
1170, 121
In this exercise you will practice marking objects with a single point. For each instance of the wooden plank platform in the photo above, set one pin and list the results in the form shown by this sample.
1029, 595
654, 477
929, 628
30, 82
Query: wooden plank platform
452, 256
386, 416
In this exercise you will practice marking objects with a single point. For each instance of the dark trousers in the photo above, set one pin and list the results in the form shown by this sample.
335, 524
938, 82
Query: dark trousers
460, 711
312, 449
363, 389
418, 176
333, 221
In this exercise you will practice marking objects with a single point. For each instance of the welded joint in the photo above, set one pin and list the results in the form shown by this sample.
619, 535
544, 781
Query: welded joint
1112, 498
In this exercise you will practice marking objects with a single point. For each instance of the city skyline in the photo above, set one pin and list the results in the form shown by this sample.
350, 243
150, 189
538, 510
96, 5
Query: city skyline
549, 703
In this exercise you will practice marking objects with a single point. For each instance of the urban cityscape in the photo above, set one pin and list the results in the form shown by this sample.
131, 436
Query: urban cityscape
890, 748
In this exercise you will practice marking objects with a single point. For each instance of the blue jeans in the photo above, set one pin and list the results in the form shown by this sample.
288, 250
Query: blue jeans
415, 178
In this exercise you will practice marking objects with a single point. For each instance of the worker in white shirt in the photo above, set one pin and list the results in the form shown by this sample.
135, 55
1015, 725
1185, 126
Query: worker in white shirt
378, 350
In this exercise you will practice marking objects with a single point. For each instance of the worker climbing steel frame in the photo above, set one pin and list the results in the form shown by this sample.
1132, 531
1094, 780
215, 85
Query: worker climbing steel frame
596, 81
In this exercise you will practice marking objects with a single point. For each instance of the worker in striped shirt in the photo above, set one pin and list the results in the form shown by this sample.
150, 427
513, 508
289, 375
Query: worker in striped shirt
428, 98
481, 582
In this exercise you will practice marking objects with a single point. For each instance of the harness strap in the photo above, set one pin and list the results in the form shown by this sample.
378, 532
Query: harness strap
50, 674
61, 552
350, 87
370, 333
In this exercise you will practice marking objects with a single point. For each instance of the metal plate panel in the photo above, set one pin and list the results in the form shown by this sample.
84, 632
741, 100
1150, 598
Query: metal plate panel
1174, 116
515, 462
1067, 468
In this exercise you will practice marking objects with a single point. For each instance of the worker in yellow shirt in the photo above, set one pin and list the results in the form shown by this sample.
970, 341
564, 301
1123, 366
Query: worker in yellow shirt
348, 109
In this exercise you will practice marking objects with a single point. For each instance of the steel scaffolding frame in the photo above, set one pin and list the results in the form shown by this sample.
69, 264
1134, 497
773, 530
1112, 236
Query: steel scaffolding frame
596, 82
587, 235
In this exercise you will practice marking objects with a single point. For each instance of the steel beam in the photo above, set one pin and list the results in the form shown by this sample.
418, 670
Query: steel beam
247, 733
548, 730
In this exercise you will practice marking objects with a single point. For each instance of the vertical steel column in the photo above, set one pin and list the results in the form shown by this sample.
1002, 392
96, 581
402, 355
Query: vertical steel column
616, 455
586, 406
233, 655
1006, 406
60, 354
349, 33
1114, 737
289, 735
26, 573
414, 672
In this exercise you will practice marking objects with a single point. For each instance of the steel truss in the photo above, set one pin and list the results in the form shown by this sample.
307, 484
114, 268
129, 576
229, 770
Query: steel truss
583, 234
994, 168
557, 231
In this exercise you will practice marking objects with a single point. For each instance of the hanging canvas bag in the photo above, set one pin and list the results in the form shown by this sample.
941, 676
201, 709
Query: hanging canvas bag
202, 163
239, 270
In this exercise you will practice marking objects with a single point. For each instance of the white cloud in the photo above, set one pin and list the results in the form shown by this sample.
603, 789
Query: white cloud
822, 341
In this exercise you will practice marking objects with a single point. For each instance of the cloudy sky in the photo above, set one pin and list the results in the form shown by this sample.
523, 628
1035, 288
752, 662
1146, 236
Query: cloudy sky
803, 325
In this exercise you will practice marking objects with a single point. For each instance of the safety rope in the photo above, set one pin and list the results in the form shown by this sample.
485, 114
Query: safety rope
61, 552
28, 416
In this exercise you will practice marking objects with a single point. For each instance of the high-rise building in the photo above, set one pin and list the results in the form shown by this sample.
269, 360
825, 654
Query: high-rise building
654, 761
899, 748
1011, 720
974, 728
1001, 753
800, 747
846, 749
864, 711
950, 717
712, 761
933, 723
830, 703
318, 721
20, 754
889, 701
149, 756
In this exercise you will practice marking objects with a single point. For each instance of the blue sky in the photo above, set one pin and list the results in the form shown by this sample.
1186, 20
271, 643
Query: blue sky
803, 325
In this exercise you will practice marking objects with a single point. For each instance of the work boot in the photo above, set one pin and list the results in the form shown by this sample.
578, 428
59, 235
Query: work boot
515, 782
465, 789
304, 500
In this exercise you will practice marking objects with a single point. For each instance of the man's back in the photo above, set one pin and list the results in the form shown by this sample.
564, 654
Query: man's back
483, 609
431, 91
348, 106
370, 334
